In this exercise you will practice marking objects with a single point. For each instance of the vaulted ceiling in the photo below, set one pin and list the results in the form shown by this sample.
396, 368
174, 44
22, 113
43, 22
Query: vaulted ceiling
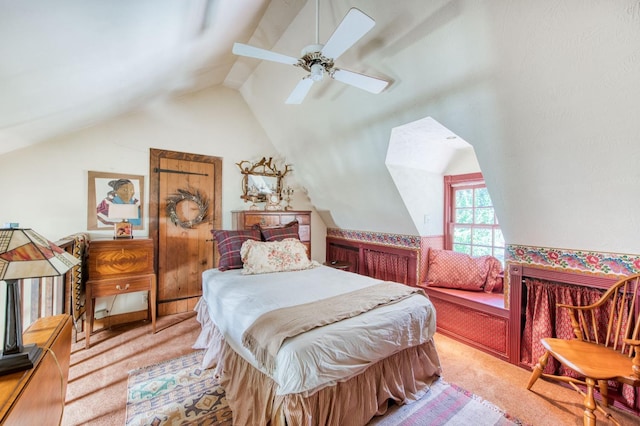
544, 91
67, 64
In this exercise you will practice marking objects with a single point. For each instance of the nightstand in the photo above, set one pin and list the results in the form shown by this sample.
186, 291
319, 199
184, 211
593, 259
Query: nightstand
338, 264
120, 267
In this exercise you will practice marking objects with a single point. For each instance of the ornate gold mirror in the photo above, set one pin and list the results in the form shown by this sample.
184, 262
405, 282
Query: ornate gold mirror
261, 179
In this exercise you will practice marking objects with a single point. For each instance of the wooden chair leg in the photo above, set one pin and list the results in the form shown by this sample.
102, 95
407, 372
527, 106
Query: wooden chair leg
589, 404
603, 385
538, 369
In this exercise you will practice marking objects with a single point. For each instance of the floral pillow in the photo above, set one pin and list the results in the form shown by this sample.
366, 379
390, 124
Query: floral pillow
262, 257
457, 270
229, 245
290, 230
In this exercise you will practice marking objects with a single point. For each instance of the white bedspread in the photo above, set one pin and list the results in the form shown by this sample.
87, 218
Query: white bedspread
325, 355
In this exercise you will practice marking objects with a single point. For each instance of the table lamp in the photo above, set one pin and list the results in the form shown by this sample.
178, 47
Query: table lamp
25, 254
123, 212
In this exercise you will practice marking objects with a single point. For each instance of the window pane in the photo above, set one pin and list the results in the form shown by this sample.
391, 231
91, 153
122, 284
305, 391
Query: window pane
482, 236
464, 215
464, 198
476, 231
481, 251
482, 198
498, 238
484, 216
462, 248
462, 235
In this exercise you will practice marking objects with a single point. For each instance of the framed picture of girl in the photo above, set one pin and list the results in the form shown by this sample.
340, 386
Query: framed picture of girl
121, 191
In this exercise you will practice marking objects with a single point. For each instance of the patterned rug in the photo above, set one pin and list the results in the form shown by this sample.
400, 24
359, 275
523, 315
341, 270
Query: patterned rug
176, 392
179, 392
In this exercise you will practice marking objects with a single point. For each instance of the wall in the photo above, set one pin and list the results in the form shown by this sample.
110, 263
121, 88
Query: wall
420, 154
47, 183
545, 92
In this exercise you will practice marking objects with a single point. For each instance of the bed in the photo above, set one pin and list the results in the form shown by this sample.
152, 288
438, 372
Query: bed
341, 373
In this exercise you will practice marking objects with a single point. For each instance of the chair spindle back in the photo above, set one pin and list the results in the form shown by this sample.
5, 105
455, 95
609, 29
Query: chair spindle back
611, 319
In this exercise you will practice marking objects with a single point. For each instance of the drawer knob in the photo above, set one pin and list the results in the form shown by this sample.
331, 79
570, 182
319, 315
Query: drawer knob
118, 287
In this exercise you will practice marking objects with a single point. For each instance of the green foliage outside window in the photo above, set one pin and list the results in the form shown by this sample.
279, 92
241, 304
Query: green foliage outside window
464, 198
476, 231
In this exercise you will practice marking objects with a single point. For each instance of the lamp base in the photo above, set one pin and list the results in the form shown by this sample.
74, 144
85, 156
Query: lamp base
123, 229
20, 361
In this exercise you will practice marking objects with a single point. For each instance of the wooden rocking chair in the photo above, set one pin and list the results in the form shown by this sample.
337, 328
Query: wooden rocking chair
606, 346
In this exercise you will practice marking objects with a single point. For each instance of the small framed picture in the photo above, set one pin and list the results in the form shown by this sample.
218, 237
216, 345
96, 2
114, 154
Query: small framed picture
123, 230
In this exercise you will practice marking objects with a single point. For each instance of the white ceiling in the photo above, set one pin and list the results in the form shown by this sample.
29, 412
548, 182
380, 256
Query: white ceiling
545, 92
67, 64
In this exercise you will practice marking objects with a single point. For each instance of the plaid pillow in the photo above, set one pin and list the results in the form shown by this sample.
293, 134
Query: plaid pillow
290, 230
229, 244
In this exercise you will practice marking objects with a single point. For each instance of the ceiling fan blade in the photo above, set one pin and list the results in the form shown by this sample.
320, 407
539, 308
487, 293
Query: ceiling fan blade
361, 81
300, 91
354, 25
258, 53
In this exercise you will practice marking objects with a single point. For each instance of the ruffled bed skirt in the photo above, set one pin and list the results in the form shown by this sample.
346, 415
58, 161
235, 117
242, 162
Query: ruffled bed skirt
403, 377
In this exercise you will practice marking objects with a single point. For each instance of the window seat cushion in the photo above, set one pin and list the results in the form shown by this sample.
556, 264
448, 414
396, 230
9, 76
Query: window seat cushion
490, 299
450, 269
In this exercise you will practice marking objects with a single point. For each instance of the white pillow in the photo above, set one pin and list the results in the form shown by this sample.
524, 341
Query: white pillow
262, 257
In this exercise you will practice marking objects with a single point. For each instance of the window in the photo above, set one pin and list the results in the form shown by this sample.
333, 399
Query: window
471, 224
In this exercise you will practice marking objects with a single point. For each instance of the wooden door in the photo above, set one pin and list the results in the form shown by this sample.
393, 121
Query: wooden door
191, 186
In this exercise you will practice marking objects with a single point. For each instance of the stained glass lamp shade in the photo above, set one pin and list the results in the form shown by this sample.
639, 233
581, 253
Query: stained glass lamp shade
25, 254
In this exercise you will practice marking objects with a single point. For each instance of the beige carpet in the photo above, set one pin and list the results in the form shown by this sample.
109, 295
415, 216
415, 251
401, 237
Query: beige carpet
97, 390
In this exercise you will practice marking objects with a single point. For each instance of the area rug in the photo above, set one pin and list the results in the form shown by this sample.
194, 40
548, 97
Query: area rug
176, 392
180, 392
446, 404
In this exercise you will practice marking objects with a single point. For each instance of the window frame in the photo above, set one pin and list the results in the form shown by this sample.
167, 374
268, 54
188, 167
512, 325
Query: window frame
451, 184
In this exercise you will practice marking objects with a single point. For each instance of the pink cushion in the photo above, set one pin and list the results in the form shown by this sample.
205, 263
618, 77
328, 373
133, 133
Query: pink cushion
290, 230
451, 269
494, 276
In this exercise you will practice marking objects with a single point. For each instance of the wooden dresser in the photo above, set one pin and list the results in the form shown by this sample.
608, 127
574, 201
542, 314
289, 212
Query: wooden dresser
118, 267
36, 396
245, 219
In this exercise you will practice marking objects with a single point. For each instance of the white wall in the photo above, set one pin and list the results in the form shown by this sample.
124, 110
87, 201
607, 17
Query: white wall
545, 91
47, 183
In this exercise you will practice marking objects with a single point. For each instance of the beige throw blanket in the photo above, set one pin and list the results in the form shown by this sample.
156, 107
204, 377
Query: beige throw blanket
265, 336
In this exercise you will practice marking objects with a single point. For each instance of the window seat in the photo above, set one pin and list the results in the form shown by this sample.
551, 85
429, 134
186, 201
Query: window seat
468, 295
470, 298
477, 319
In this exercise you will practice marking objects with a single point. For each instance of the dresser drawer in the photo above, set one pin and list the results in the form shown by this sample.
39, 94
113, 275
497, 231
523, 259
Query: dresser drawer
111, 258
262, 220
247, 219
120, 285
303, 219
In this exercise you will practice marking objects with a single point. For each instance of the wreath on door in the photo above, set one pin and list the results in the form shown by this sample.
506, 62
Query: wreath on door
184, 195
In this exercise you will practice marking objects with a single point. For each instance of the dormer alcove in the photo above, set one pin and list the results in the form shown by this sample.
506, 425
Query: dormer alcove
419, 155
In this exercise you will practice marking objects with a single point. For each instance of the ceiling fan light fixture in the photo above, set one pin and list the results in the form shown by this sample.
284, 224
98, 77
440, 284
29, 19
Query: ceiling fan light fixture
317, 72
319, 58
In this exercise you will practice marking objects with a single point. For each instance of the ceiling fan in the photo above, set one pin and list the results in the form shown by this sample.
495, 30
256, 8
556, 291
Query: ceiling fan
318, 59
